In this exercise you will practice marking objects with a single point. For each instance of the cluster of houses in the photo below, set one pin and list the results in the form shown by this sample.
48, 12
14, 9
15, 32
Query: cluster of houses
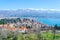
24, 26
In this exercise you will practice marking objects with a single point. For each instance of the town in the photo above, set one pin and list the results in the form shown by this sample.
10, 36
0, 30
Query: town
21, 25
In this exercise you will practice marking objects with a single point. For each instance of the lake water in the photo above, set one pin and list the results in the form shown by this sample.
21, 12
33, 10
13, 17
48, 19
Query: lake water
49, 21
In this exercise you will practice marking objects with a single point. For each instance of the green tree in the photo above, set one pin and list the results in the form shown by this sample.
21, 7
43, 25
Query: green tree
54, 31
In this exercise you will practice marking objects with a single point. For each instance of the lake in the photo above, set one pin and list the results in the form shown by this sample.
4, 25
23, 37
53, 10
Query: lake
49, 21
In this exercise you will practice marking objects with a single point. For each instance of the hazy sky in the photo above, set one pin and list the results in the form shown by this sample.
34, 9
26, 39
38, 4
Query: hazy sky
37, 4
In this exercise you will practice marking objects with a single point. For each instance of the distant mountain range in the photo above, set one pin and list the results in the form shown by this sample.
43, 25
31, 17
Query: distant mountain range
30, 13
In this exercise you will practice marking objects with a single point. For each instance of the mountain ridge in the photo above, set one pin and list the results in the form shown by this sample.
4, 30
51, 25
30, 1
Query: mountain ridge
30, 13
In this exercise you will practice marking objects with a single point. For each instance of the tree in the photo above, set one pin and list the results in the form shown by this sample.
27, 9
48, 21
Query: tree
55, 27
54, 31
15, 38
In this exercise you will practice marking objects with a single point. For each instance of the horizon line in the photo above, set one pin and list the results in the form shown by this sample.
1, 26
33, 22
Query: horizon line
43, 9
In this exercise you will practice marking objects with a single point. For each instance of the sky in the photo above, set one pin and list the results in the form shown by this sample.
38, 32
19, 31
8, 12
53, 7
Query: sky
36, 4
